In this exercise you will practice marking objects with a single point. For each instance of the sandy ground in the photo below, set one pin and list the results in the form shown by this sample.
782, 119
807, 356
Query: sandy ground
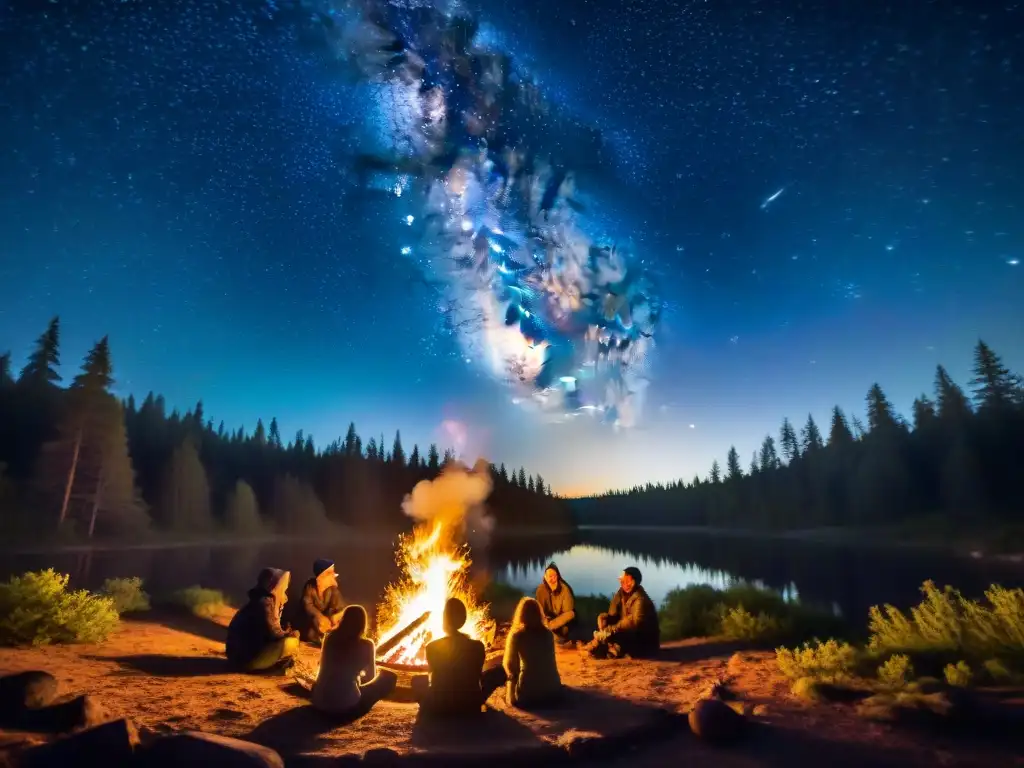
167, 673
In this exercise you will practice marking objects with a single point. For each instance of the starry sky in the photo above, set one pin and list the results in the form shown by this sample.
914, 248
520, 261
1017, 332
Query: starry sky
178, 175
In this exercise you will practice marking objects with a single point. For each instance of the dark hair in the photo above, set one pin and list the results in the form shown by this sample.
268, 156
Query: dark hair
527, 616
350, 629
454, 614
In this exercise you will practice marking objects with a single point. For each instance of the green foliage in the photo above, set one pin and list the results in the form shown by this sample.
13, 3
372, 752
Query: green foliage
37, 608
829, 661
589, 607
199, 601
741, 612
503, 599
243, 512
127, 594
808, 689
947, 624
958, 675
895, 673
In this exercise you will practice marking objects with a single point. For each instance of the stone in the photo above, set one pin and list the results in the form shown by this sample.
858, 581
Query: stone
195, 748
381, 757
25, 690
112, 743
80, 712
715, 721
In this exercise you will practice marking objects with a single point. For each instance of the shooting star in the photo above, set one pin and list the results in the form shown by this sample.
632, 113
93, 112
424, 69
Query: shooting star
769, 200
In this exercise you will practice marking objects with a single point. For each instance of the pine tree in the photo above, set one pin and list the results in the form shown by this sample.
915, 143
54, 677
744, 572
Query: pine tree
260, 435
6, 377
521, 478
371, 449
541, 488
839, 433
790, 445
857, 428
40, 371
185, 492
243, 512
274, 435
433, 460
993, 385
349, 446
811, 436
951, 403
715, 476
732, 464
923, 413
529, 484
769, 458
881, 417
414, 458
295, 507
397, 452
503, 473
754, 464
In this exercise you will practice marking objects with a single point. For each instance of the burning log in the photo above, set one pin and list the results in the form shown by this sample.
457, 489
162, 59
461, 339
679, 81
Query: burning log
385, 648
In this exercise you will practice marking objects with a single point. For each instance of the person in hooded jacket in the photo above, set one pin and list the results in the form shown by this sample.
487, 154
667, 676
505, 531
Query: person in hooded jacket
630, 627
322, 604
557, 604
256, 641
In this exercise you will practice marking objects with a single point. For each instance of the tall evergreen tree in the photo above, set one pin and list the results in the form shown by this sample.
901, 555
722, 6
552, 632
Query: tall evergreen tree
6, 377
952, 405
414, 458
274, 436
503, 473
397, 452
529, 484
732, 464
243, 512
41, 369
789, 442
769, 457
349, 446
539, 486
881, 416
811, 436
185, 492
433, 459
993, 384
839, 432
260, 435
715, 476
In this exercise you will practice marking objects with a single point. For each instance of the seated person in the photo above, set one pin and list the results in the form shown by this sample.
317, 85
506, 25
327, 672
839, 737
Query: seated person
349, 683
321, 603
557, 604
533, 679
256, 641
457, 683
630, 627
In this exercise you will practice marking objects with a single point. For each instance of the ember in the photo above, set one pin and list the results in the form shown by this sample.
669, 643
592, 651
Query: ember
434, 562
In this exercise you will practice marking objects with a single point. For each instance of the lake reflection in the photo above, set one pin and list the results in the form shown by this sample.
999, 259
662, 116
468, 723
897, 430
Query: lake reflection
844, 579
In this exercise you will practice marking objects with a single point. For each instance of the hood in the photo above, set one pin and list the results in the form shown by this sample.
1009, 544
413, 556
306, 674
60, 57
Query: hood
265, 582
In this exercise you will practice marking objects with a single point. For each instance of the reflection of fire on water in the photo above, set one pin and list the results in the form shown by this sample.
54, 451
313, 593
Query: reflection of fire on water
434, 560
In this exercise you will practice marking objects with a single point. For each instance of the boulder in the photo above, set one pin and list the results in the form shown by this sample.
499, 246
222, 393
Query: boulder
23, 691
715, 721
112, 743
381, 757
80, 712
195, 748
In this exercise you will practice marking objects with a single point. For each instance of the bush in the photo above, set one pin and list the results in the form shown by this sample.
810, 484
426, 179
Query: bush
38, 609
589, 607
741, 612
946, 624
829, 661
896, 672
127, 594
502, 598
958, 675
200, 601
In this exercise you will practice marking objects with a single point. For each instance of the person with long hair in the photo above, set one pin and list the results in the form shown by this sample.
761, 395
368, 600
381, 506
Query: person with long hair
557, 604
348, 658
533, 679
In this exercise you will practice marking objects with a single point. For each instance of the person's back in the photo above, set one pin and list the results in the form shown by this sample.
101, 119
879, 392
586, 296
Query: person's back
341, 670
456, 663
532, 668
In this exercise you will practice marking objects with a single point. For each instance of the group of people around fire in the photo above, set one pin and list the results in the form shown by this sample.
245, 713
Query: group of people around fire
458, 679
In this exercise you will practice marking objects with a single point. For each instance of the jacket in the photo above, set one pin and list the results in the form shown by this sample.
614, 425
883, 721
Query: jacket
532, 671
635, 613
558, 606
315, 605
255, 626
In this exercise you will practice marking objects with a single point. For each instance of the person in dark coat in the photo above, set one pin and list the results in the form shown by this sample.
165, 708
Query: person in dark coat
256, 641
529, 661
322, 603
457, 683
630, 627
557, 604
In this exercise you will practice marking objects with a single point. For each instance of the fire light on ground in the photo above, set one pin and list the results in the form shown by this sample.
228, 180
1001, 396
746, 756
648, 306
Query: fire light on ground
434, 562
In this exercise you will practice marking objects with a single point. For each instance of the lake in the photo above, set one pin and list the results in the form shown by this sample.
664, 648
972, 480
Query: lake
844, 579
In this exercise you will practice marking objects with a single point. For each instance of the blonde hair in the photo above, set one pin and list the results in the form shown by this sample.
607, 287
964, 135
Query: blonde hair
528, 616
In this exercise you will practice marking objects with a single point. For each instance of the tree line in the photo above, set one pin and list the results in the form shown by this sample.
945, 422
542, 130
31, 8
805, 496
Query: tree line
957, 463
76, 460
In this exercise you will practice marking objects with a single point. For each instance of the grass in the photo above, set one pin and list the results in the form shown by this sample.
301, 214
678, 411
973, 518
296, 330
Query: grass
37, 609
199, 601
127, 594
741, 612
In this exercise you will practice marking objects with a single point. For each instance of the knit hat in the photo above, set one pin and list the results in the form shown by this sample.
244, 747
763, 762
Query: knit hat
321, 565
635, 573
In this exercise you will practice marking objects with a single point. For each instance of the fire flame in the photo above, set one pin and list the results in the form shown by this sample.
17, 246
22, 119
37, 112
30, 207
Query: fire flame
434, 568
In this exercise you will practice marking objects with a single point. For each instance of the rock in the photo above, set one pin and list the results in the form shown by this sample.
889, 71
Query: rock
195, 749
715, 721
80, 712
112, 743
25, 690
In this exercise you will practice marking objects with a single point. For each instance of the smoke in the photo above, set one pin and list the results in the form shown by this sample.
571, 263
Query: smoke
455, 501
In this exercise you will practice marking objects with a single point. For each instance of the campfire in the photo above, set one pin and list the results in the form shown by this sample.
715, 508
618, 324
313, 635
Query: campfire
434, 562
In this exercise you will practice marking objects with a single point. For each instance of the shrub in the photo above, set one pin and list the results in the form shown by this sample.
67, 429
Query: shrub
895, 673
200, 601
589, 607
739, 624
999, 673
127, 594
958, 675
829, 661
947, 624
38, 608
808, 689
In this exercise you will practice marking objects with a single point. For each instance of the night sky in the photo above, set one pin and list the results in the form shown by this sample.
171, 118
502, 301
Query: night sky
177, 174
